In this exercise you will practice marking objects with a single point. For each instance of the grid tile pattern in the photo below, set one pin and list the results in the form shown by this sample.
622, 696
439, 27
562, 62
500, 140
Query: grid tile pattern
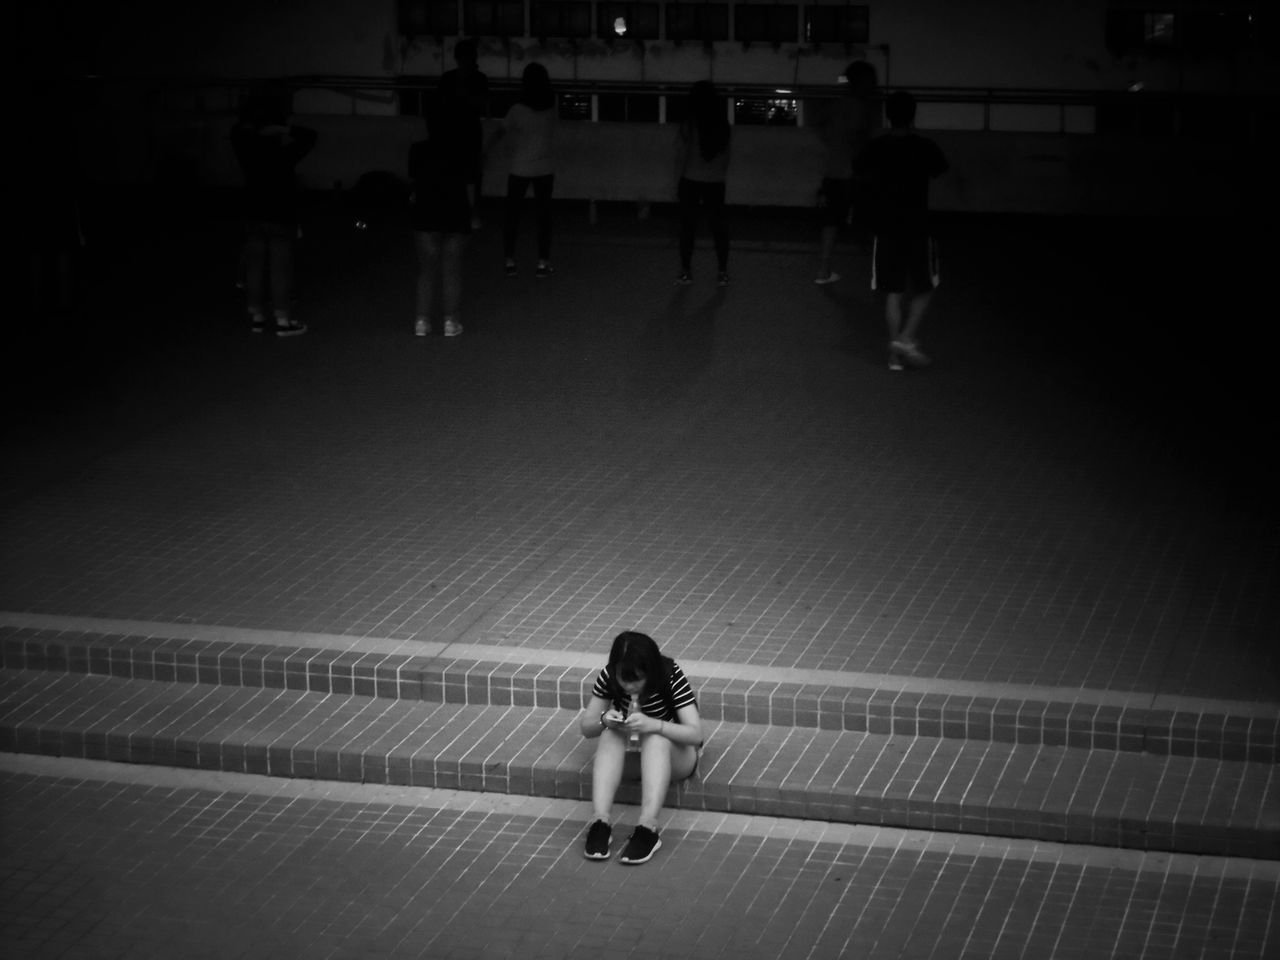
1207, 732
90, 868
617, 454
1050, 793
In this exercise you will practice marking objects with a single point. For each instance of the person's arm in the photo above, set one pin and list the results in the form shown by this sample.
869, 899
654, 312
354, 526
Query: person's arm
685, 729
592, 722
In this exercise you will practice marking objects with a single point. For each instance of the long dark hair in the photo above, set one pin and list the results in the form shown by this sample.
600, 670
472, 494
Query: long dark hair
635, 655
536, 92
707, 116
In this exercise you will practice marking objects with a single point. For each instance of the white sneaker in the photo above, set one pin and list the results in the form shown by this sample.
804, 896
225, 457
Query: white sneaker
829, 278
452, 328
421, 327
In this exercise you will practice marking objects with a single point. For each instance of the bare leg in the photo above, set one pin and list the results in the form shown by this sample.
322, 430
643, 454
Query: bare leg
661, 761
428, 249
915, 313
606, 772
893, 315
255, 267
828, 247
280, 255
451, 261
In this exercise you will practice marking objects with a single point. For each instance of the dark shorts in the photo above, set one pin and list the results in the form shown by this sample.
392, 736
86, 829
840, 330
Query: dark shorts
904, 263
442, 208
837, 201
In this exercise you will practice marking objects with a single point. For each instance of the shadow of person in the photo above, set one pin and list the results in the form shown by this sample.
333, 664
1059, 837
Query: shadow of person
676, 346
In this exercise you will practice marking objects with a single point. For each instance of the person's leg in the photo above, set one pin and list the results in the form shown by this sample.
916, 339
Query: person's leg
687, 194
542, 215
661, 763
606, 773
451, 261
255, 269
516, 187
713, 197
280, 259
893, 315
916, 306
828, 246
427, 247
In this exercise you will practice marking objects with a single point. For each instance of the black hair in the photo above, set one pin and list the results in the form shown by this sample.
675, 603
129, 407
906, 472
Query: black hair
707, 115
861, 77
900, 109
464, 51
266, 104
535, 88
635, 655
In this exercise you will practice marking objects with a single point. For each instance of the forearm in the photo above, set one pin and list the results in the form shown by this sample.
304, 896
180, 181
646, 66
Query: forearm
590, 724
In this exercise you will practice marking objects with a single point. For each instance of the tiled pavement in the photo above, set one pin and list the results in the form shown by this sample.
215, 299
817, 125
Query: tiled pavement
1040, 574
99, 861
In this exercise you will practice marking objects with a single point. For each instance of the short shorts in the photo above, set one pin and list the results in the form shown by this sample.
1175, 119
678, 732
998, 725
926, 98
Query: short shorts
904, 263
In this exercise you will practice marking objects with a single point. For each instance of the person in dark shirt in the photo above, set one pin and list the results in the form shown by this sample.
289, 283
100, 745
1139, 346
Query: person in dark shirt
441, 210
269, 149
900, 165
467, 85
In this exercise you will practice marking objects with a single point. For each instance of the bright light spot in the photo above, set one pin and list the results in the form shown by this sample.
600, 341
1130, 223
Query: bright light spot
1136, 86
620, 26
780, 90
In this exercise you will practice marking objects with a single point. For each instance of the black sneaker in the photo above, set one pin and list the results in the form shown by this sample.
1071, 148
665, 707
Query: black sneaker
641, 845
543, 271
598, 836
683, 279
257, 323
289, 327
722, 278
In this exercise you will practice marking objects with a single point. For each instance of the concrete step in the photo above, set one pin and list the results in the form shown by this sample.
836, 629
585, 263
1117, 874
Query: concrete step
827, 700
1051, 793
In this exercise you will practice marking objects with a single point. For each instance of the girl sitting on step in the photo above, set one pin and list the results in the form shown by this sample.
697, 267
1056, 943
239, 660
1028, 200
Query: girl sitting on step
641, 706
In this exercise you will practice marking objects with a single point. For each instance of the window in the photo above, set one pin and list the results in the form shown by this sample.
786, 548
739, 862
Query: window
1139, 31
420, 18
831, 24
574, 106
638, 21
627, 107
765, 22
494, 18
561, 18
697, 21
779, 111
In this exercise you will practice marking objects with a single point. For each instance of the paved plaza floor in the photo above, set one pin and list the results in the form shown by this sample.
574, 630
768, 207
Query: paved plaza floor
1074, 499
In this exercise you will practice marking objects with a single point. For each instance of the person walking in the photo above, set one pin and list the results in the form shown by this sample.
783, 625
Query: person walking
850, 123
268, 149
704, 164
904, 262
530, 127
441, 210
641, 706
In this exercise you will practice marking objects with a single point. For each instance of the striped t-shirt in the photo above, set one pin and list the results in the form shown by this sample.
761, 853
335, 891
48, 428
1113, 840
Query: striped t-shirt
653, 704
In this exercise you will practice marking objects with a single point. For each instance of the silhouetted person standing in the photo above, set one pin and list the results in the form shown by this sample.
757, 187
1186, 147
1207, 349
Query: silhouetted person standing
704, 165
900, 165
530, 127
466, 84
849, 125
269, 149
441, 210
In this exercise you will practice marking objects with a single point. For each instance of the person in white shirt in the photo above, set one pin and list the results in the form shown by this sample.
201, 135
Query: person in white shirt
529, 128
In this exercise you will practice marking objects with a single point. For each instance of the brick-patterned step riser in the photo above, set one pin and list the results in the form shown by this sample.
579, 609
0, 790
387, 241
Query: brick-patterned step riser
443, 680
1055, 794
